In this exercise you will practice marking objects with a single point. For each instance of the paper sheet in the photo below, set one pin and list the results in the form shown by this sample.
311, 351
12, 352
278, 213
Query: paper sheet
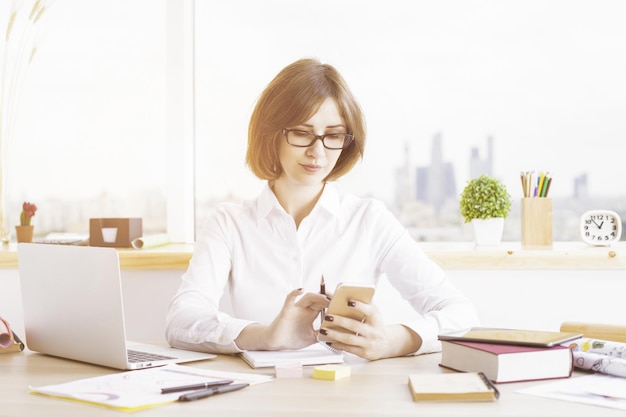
6, 336
596, 389
603, 356
145, 242
134, 390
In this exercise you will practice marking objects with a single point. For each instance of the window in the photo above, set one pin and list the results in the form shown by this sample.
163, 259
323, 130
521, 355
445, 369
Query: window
508, 86
90, 136
99, 132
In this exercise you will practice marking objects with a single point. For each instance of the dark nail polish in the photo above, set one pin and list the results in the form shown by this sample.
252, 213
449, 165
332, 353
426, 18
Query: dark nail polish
328, 318
351, 303
324, 332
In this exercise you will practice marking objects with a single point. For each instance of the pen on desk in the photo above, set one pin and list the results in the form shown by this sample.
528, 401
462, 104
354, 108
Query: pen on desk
195, 386
323, 292
204, 393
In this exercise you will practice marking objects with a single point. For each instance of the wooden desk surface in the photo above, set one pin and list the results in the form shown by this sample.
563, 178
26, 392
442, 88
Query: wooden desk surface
512, 256
450, 255
174, 256
374, 389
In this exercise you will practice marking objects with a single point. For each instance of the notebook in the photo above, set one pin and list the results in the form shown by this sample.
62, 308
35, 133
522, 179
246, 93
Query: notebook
73, 308
462, 386
315, 354
523, 337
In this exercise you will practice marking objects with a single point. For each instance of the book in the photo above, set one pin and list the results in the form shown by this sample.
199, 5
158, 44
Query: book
524, 337
470, 386
315, 354
140, 389
507, 363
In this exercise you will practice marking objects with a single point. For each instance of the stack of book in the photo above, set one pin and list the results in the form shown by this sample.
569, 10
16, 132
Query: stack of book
510, 355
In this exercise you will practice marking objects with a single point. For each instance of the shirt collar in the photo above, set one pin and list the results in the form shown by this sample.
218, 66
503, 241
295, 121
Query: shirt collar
329, 201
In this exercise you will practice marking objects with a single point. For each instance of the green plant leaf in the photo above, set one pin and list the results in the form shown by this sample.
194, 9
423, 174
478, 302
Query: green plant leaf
483, 198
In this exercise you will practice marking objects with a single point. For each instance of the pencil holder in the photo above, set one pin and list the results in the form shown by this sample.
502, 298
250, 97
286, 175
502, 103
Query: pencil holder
536, 223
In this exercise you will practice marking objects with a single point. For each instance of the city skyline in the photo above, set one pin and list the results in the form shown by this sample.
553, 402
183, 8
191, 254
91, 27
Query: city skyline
436, 180
429, 216
429, 209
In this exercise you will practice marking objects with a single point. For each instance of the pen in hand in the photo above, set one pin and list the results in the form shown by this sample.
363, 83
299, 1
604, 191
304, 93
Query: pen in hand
195, 386
323, 292
204, 393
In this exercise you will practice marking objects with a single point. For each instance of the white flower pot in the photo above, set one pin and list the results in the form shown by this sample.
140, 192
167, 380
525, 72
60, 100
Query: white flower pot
488, 231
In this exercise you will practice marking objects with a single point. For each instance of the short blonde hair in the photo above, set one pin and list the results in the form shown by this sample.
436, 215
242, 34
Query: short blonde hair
292, 98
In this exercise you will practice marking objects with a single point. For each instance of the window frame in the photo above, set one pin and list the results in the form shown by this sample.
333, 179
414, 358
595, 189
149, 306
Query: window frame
180, 121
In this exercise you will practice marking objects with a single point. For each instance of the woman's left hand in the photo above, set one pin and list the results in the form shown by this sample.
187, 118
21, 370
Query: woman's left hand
371, 338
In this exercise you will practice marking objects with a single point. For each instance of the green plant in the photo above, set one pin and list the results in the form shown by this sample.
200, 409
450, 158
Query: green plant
484, 198
28, 211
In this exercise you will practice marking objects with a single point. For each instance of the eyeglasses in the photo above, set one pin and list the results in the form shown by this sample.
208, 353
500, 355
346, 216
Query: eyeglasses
304, 139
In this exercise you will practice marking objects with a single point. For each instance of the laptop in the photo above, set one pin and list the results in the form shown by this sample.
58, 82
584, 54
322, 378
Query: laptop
73, 308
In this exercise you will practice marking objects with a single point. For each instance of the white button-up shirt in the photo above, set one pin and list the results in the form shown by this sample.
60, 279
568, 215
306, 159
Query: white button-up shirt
254, 252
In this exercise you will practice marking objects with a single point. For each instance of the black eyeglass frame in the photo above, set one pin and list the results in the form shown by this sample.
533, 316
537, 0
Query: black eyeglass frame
347, 140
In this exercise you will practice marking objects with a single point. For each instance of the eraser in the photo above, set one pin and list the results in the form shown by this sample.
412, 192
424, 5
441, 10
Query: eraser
289, 370
331, 372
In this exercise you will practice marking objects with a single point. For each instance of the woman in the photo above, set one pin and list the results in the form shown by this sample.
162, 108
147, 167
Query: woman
270, 253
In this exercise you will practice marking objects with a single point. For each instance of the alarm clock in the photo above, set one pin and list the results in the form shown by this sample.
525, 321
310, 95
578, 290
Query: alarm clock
600, 227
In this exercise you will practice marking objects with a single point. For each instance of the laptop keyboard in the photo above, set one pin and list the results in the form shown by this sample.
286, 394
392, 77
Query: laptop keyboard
135, 356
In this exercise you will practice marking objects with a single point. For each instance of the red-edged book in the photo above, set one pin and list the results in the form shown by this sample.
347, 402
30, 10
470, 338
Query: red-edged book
507, 363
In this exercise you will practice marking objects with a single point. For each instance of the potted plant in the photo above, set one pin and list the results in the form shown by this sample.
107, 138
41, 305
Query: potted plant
485, 203
24, 231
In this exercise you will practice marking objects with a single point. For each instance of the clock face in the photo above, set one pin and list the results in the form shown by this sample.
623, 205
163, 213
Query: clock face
600, 227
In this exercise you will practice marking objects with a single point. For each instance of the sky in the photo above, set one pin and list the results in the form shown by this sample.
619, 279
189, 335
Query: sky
91, 104
545, 79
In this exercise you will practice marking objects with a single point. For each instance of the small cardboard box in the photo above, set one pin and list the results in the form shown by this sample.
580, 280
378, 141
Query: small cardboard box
114, 232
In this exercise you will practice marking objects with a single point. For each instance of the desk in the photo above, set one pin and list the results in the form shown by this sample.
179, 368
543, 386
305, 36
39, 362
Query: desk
449, 255
174, 256
374, 389
555, 283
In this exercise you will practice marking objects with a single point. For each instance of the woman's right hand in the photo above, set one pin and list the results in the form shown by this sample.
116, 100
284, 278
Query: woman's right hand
291, 329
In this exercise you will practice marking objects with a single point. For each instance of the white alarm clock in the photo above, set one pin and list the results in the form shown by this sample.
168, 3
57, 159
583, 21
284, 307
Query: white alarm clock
600, 227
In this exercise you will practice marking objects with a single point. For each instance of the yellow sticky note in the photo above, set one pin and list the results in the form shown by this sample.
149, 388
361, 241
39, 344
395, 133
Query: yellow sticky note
331, 372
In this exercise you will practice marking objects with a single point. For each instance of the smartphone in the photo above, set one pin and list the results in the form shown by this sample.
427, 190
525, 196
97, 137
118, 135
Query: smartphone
339, 305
